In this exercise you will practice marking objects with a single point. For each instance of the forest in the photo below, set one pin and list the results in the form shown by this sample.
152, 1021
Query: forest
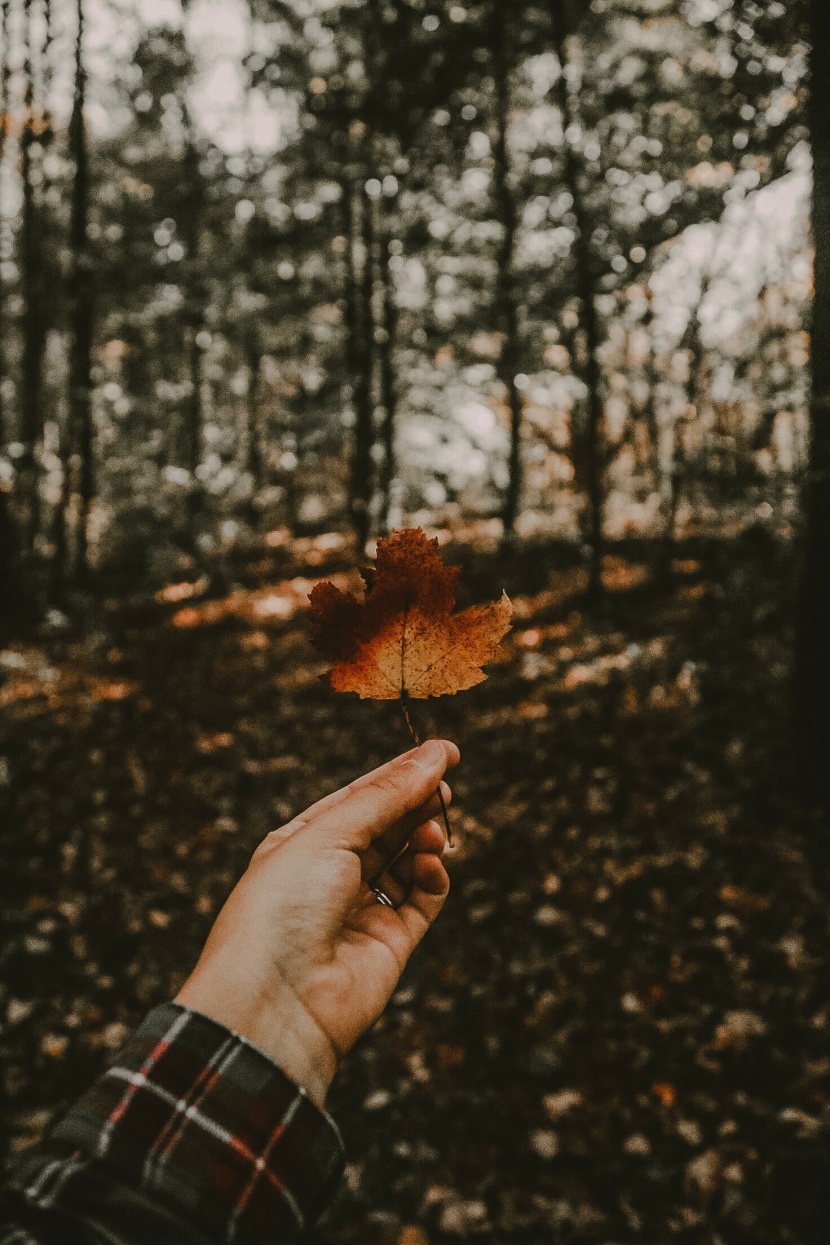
549, 279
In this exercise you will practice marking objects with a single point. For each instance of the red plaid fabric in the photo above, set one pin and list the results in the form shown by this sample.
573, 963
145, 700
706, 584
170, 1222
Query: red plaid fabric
193, 1135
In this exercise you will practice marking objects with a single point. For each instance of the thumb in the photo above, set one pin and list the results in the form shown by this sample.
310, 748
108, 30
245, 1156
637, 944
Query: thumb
394, 790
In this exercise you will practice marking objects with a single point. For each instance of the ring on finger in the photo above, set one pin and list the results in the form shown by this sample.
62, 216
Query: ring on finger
382, 897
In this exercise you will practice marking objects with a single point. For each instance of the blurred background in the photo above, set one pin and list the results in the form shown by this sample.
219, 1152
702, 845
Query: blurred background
319, 266
538, 276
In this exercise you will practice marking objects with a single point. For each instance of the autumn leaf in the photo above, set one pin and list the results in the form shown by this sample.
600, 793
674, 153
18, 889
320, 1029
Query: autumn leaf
403, 641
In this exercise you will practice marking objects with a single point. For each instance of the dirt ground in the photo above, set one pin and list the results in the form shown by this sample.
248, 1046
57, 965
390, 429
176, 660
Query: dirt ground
618, 1030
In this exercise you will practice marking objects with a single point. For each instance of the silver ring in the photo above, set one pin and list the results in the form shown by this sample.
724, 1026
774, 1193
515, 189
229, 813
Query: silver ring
382, 897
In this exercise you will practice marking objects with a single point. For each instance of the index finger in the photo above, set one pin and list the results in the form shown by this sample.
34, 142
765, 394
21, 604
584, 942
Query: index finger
400, 787
342, 793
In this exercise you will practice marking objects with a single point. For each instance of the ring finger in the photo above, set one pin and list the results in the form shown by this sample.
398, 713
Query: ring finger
377, 858
397, 879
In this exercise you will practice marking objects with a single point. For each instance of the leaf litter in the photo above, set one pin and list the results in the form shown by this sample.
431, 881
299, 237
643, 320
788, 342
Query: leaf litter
646, 1062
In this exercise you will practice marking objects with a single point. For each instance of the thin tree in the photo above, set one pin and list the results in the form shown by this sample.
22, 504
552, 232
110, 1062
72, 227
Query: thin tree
506, 301
386, 341
692, 344
359, 286
591, 448
82, 303
365, 352
5, 125
253, 432
9, 582
192, 219
251, 340
812, 657
649, 408
31, 254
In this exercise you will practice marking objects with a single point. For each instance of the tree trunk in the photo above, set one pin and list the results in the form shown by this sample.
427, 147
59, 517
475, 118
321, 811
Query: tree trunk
11, 603
593, 458
359, 355
507, 312
81, 300
678, 471
192, 430
33, 303
194, 285
60, 514
388, 377
812, 656
650, 415
253, 358
694, 392
291, 493
6, 433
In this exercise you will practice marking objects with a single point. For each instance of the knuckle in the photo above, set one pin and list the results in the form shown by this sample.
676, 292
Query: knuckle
273, 840
394, 783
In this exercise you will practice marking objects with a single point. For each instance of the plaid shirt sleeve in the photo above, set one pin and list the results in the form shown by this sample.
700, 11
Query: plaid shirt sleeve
192, 1137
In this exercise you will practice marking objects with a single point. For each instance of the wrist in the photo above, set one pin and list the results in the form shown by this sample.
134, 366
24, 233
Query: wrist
277, 1024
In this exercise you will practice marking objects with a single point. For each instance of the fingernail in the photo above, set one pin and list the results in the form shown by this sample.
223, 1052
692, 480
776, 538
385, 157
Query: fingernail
430, 754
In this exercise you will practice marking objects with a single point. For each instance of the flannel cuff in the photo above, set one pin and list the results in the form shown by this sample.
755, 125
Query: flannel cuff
202, 1121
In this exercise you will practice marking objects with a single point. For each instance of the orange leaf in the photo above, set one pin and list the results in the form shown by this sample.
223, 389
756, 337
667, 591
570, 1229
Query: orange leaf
106, 690
404, 639
212, 743
665, 1092
738, 897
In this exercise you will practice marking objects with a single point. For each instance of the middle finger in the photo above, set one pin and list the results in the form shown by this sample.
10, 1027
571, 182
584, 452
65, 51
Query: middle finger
383, 850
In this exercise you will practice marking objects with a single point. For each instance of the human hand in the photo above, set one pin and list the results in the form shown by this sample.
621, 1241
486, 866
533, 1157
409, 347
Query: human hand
302, 958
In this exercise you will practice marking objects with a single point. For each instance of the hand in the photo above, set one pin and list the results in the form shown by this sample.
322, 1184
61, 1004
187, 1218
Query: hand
302, 959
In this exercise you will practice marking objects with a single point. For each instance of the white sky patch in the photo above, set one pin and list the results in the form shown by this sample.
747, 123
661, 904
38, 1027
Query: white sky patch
234, 118
219, 36
160, 12
111, 35
481, 423
760, 240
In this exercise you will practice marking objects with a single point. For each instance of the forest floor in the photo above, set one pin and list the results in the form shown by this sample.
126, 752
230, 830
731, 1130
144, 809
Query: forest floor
618, 1030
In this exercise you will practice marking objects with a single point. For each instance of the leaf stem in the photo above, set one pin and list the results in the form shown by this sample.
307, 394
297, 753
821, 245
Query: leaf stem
417, 741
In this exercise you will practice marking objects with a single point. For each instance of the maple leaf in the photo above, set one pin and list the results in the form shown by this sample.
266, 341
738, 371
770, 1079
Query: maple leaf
403, 641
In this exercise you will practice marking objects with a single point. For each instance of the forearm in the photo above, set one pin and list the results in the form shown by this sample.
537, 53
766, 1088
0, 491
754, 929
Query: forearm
193, 1137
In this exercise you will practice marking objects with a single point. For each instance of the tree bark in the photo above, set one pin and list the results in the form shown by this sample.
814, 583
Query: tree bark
649, 410
11, 602
388, 377
679, 469
195, 288
359, 354
507, 311
592, 441
82, 302
31, 388
292, 497
9, 566
253, 359
5, 84
812, 655
192, 439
